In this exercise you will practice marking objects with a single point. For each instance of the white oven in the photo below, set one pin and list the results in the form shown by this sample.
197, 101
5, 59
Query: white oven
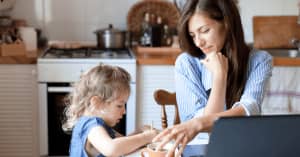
55, 76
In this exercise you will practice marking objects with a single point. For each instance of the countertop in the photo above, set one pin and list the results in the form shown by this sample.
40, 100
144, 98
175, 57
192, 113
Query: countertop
145, 56
156, 55
285, 61
28, 58
167, 56
156, 59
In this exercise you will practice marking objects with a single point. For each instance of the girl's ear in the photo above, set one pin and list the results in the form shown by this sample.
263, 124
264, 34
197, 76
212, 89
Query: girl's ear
95, 101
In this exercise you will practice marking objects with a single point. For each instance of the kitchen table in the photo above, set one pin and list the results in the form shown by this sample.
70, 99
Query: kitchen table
189, 151
137, 153
195, 148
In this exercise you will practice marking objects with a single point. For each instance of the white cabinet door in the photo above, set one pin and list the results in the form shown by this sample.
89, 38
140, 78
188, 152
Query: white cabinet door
283, 93
18, 111
150, 78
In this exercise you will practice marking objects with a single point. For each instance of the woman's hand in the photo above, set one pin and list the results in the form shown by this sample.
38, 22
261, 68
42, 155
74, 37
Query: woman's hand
181, 134
216, 63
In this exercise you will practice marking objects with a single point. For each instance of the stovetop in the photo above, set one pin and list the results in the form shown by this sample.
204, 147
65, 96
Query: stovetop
87, 53
67, 65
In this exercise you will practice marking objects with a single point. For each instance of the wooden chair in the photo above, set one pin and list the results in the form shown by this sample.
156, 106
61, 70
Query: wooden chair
163, 98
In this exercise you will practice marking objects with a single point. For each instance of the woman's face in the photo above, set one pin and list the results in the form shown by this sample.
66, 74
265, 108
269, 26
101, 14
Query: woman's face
208, 34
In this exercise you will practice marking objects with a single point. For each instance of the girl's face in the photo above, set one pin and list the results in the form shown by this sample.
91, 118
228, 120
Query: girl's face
208, 34
112, 112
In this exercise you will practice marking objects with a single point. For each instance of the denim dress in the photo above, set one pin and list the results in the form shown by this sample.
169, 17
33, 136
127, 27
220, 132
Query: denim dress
80, 133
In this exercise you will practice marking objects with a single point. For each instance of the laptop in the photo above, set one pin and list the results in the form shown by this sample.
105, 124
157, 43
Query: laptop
254, 136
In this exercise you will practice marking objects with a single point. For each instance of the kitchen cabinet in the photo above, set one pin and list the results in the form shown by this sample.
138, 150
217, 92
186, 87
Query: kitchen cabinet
283, 92
282, 95
18, 110
150, 78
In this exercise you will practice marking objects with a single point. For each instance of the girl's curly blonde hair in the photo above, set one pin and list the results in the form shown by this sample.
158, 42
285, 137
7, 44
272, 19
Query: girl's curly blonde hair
105, 81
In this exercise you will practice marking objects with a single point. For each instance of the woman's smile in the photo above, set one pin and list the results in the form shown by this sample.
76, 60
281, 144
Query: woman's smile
206, 49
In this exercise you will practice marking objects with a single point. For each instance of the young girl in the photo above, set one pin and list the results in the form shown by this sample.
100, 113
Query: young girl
96, 105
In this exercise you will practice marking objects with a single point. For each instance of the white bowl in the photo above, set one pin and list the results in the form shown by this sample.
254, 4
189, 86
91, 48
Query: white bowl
293, 53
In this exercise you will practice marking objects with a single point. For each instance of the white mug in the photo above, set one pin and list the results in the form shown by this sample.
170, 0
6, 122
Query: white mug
151, 151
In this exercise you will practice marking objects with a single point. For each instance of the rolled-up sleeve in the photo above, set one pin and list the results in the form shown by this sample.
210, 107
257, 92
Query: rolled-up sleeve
259, 73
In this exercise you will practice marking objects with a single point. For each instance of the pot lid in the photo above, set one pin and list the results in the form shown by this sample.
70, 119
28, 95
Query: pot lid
110, 29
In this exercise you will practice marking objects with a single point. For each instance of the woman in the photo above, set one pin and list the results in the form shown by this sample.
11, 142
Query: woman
219, 75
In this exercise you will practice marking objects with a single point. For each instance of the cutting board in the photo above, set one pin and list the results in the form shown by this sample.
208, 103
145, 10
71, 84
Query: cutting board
275, 31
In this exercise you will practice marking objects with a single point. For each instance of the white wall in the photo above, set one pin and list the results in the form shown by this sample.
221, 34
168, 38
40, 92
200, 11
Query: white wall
77, 19
250, 8
73, 19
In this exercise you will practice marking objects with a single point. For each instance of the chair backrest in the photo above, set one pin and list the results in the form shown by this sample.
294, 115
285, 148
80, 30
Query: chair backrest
163, 98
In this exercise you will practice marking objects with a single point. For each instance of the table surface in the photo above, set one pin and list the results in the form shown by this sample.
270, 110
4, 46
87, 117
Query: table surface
195, 148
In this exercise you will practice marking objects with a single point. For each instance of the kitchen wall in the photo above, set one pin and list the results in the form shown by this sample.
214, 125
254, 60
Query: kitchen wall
77, 19
250, 8
73, 19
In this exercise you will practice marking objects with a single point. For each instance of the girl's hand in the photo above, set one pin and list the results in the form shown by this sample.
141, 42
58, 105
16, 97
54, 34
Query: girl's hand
181, 134
216, 63
150, 134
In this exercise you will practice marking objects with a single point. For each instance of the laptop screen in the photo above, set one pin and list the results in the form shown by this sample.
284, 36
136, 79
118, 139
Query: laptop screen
255, 136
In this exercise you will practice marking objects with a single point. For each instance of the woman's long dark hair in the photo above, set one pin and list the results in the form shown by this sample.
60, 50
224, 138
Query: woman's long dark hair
235, 47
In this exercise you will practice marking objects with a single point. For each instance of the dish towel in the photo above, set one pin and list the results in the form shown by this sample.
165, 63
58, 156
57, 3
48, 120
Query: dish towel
283, 92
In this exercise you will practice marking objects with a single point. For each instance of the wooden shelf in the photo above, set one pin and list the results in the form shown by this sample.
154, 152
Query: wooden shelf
157, 50
156, 55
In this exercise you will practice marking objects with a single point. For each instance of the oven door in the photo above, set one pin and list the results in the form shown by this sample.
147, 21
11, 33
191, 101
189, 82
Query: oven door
54, 141
59, 140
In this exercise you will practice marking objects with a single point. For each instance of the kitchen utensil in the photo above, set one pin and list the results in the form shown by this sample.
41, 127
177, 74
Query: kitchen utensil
110, 38
65, 44
5, 21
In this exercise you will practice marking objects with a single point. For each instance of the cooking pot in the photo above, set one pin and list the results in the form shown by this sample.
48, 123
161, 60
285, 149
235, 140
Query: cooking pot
110, 38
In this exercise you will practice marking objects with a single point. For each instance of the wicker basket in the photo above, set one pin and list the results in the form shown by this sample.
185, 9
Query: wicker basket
163, 8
